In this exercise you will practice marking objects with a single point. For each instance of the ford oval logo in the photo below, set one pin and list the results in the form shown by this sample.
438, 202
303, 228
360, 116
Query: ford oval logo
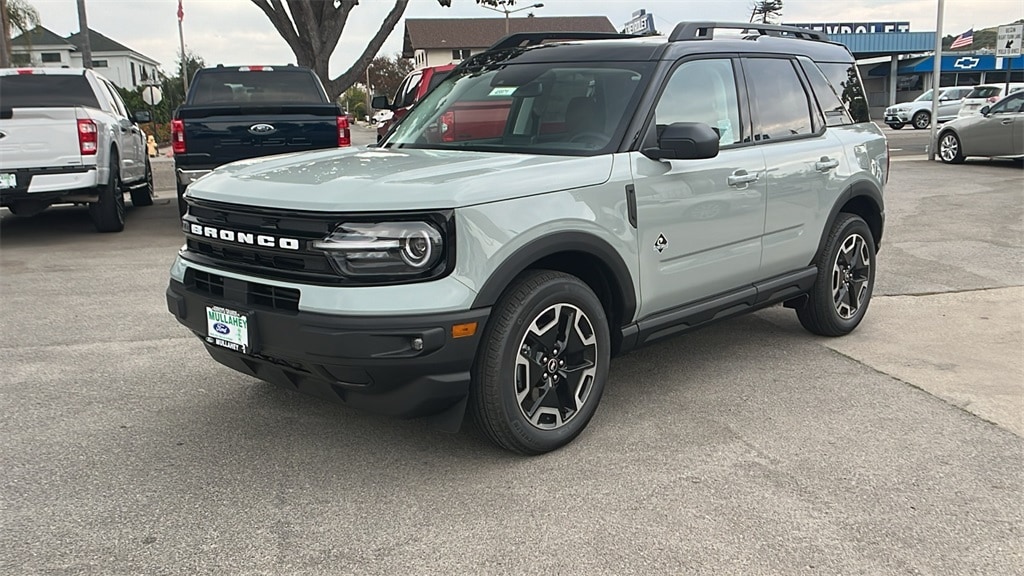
221, 328
262, 129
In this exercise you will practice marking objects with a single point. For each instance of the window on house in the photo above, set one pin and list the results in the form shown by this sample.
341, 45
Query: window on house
21, 59
461, 54
134, 81
99, 63
50, 57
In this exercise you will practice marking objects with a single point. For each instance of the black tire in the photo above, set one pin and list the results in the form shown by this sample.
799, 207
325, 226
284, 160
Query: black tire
144, 196
513, 352
108, 214
846, 261
182, 207
921, 120
950, 149
897, 126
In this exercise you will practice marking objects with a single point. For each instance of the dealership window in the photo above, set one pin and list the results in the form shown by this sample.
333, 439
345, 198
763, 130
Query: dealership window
50, 57
461, 53
997, 77
968, 79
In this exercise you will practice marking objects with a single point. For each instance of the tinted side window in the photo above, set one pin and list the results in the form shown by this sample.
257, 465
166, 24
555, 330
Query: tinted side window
783, 110
833, 109
46, 91
702, 91
846, 79
409, 98
1010, 104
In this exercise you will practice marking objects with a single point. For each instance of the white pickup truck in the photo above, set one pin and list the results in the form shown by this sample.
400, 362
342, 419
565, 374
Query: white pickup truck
67, 137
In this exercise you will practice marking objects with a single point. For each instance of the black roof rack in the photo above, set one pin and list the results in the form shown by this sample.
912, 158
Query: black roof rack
706, 30
532, 38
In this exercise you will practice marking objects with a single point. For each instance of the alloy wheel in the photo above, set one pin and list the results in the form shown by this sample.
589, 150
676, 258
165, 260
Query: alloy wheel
850, 275
949, 148
555, 366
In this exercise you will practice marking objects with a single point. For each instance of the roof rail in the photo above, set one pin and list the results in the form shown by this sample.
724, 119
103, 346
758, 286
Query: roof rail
706, 30
531, 38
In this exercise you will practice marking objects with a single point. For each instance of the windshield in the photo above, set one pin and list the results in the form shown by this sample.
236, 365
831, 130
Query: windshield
926, 97
537, 108
985, 92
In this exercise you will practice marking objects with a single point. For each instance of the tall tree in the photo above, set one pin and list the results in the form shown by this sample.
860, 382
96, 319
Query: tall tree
387, 73
15, 16
766, 11
312, 29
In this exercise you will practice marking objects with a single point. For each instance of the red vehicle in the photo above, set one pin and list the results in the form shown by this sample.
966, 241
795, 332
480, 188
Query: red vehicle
410, 91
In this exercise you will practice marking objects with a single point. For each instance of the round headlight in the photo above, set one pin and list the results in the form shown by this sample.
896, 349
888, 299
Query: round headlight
417, 249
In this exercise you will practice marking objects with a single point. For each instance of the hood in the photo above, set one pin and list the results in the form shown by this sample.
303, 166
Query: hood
371, 179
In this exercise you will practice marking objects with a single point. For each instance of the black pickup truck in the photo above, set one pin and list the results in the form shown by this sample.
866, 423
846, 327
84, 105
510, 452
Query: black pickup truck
239, 112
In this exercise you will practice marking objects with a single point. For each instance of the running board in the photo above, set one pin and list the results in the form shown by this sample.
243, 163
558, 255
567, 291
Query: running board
727, 305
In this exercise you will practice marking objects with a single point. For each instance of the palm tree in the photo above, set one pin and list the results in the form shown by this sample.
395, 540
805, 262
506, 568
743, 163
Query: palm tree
15, 16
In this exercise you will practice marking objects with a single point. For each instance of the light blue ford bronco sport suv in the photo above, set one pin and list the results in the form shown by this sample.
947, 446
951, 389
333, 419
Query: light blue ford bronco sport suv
558, 200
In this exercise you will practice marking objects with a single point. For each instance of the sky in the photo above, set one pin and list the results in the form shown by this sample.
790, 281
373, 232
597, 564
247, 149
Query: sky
237, 32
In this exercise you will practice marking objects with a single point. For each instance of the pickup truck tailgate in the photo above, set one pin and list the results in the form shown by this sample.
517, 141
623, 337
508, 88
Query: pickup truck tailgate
40, 137
225, 134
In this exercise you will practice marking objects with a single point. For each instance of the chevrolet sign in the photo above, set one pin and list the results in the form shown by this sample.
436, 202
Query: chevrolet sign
245, 238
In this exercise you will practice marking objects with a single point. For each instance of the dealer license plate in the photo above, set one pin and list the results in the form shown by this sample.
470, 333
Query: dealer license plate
227, 328
8, 180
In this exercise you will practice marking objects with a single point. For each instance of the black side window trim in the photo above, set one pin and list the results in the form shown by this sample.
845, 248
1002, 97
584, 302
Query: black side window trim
817, 120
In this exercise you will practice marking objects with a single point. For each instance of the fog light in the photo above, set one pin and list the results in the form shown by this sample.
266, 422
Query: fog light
417, 344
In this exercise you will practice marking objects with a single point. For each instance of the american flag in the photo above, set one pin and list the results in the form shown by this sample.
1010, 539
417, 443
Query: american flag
965, 39
181, 12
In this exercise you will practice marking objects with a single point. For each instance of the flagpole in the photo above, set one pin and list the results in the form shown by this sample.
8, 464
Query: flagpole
181, 39
936, 74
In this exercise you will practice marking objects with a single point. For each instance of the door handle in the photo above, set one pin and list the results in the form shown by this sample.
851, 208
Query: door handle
742, 177
1007, 121
826, 164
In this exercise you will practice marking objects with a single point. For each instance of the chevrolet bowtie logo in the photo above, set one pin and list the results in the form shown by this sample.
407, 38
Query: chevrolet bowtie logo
966, 63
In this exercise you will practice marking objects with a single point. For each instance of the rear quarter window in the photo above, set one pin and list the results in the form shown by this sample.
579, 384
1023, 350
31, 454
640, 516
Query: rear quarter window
237, 88
46, 91
826, 95
846, 80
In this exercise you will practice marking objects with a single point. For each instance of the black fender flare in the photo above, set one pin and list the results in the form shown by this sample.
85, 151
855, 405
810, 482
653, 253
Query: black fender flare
860, 189
549, 245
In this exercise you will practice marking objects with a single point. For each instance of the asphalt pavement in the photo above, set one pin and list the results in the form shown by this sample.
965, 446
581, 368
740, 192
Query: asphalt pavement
749, 447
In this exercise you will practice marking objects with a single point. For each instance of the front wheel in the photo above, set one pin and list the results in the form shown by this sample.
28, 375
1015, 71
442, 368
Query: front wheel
846, 277
897, 126
921, 120
950, 150
143, 195
543, 362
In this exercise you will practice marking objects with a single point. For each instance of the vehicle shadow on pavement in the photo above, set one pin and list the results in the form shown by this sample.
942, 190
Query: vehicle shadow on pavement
59, 225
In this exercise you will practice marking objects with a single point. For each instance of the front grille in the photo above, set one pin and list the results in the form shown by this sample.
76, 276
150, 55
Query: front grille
228, 237
241, 292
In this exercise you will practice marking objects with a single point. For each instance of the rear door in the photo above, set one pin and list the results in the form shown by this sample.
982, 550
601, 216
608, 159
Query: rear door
129, 136
806, 163
39, 119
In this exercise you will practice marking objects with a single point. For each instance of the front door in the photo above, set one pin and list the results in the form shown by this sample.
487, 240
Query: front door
995, 135
700, 221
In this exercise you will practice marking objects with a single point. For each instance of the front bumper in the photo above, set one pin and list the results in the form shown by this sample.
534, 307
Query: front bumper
893, 117
369, 363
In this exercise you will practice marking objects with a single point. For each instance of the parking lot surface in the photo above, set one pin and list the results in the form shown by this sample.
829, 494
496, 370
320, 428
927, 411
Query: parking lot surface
748, 447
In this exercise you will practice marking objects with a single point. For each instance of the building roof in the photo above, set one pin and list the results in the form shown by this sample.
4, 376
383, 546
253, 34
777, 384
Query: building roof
434, 33
100, 43
951, 63
39, 36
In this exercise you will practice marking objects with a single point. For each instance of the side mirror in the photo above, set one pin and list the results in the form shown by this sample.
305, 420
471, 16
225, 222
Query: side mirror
141, 116
380, 103
685, 141
985, 110
944, 98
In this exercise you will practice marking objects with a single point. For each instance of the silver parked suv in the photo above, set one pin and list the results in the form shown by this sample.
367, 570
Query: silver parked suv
559, 199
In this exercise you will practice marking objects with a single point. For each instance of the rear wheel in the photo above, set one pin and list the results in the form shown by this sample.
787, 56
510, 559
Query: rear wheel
542, 364
108, 214
921, 120
846, 277
143, 195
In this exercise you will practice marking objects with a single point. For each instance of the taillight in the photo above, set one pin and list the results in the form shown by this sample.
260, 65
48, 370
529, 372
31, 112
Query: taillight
992, 99
448, 127
178, 136
344, 134
26, 72
88, 137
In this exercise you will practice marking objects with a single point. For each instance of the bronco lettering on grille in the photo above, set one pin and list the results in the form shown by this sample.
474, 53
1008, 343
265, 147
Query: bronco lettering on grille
248, 238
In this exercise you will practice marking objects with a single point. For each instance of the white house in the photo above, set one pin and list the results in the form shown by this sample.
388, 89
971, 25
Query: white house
120, 64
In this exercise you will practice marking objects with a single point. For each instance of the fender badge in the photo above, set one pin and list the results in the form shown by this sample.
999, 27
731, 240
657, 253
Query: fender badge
660, 243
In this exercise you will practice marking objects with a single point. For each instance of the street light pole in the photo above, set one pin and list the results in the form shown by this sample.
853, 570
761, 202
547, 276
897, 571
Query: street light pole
83, 29
936, 77
504, 10
368, 97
